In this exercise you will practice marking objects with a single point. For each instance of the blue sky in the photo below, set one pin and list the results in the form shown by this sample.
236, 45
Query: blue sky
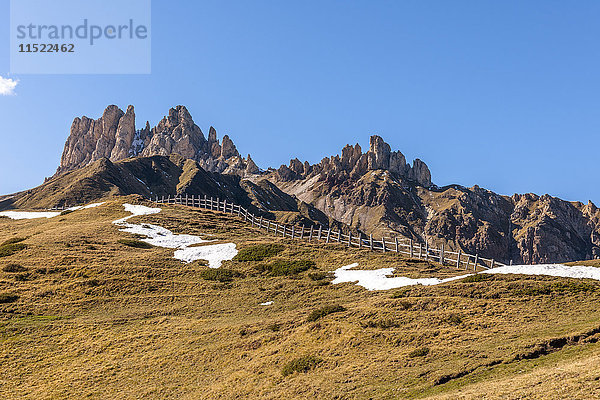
503, 94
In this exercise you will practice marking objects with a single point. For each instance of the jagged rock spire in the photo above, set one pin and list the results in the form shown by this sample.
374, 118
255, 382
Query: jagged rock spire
115, 137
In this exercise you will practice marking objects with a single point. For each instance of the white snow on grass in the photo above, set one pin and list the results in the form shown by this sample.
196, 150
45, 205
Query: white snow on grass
158, 236
43, 214
268, 303
560, 270
215, 254
379, 279
93, 205
29, 214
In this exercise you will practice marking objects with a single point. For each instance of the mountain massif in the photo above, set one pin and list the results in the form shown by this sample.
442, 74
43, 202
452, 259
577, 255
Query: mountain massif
376, 192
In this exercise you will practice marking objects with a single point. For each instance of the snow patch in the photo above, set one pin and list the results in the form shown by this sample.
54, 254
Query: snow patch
560, 270
268, 303
93, 205
29, 214
215, 254
43, 214
379, 279
162, 237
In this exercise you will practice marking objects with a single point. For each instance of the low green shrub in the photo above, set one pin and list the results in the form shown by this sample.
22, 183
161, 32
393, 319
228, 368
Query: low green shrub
478, 278
13, 241
10, 249
403, 292
22, 277
13, 268
219, 274
138, 244
286, 267
404, 305
8, 298
258, 252
454, 319
323, 311
420, 352
66, 212
317, 276
381, 323
301, 365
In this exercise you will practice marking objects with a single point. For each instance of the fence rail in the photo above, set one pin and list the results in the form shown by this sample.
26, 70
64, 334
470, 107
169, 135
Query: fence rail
408, 247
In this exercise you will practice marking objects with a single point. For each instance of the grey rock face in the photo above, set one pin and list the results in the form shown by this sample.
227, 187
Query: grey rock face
353, 164
115, 137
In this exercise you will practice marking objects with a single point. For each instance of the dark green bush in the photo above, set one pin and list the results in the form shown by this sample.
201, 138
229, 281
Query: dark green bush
13, 268
420, 352
13, 241
138, 244
323, 311
10, 249
478, 278
219, 274
286, 267
404, 305
8, 298
398, 294
258, 252
301, 364
22, 277
317, 276
454, 319
381, 324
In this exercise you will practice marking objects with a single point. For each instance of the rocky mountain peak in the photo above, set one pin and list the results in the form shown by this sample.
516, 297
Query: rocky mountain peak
353, 164
114, 136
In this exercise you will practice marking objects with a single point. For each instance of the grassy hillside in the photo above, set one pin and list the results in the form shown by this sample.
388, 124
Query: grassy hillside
86, 313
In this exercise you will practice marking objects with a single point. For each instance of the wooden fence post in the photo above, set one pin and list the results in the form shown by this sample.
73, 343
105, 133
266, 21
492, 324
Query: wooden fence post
328, 234
339, 239
420, 250
383, 243
302, 232
442, 255
320, 231
426, 251
396, 240
371, 242
476, 260
261, 222
492, 264
350, 239
458, 259
359, 240
292, 231
311, 233
410, 243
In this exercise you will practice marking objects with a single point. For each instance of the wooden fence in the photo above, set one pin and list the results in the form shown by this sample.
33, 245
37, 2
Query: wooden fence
407, 247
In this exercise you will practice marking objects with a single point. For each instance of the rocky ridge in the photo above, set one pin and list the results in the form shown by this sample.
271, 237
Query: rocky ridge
114, 136
377, 192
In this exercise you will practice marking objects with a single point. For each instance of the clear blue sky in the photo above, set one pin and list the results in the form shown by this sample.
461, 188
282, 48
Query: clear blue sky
503, 94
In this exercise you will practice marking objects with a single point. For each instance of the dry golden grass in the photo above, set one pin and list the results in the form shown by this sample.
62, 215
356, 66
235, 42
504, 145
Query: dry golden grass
98, 319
